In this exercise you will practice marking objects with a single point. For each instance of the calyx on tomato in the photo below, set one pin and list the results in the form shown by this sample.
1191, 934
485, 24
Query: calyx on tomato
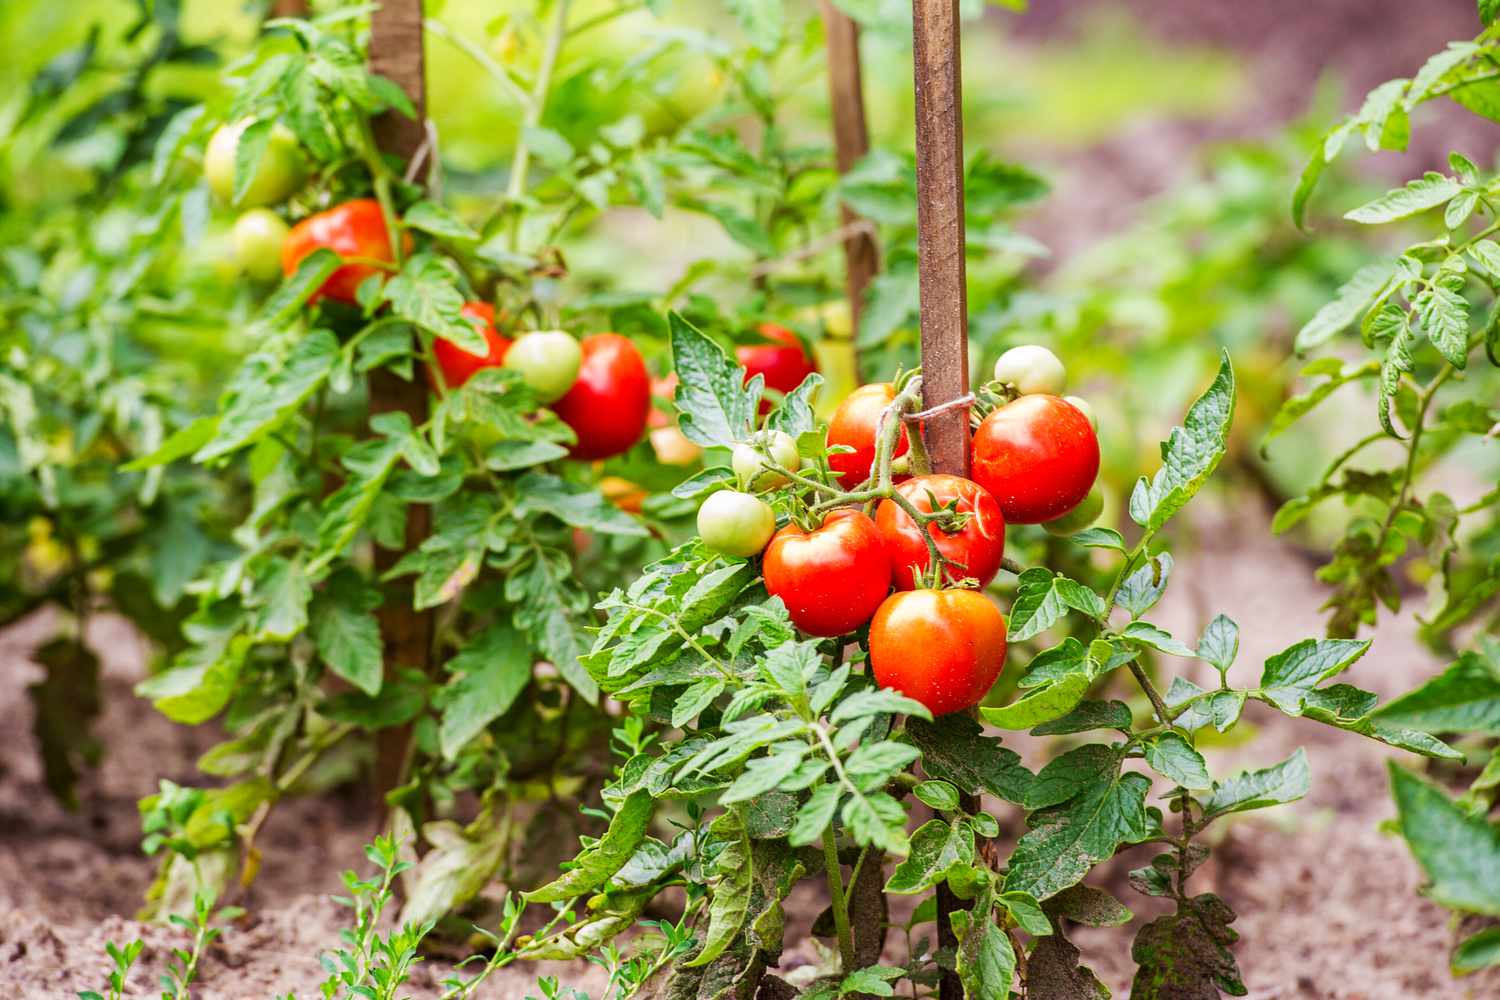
354, 230
831, 578
854, 424
1038, 455
459, 365
943, 648
608, 404
977, 547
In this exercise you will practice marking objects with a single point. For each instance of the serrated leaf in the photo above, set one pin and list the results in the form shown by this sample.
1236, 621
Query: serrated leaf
1350, 301
1220, 643
1043, 598
1428, 191
1186, 956
714, 405
598, 863
1088, 715
487, 677
955, 749
1174, 758
426, 293
1465, 698
1270, 786
346, 632
936, 846
544, 494
1289, 675
265, 393
1145, 585
814, 815
1458, 852
1190, 454
1040, 704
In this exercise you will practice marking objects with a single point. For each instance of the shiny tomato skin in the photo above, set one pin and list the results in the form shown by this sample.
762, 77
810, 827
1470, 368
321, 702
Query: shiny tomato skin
457, 364
1038, 455
353, 229
943, 648
978, 546
854, 424
832, 578
784, 363
608, 405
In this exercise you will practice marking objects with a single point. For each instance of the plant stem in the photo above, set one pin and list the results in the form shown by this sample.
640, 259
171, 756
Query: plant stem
1163, 714
521, 163
840, 905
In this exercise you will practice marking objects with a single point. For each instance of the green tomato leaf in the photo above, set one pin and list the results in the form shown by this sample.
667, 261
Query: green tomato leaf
1270, 786
936, 846
1458, 852
485, 679
598, 863
1174, 758
346, 631
1428, 191
1043, 598
715, 406
955, 749
1189, 455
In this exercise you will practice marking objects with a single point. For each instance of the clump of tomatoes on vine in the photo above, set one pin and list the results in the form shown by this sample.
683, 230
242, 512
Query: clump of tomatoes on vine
872, 543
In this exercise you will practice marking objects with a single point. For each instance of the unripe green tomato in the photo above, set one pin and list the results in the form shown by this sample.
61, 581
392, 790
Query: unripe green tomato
1088, 410
548, 360
750, 457
278, 174
258, 236
1080, 517
735, 523
1031, 369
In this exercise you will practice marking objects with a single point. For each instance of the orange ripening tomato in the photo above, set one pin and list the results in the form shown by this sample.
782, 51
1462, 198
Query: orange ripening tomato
623, 493
943, 648
457, 364
783, 363
832, 578
977, 547
854, 424
354, 229
1038, 455
608, 405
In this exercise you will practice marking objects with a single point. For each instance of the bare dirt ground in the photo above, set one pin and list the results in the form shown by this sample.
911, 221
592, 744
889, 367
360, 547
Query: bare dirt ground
1329, 905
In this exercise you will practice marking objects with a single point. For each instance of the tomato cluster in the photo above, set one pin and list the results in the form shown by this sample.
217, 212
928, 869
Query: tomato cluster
599, 386
932, 633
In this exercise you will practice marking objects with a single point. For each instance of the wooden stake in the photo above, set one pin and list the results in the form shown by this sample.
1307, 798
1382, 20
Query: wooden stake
396, 53
851, 141
940, 229
943, 284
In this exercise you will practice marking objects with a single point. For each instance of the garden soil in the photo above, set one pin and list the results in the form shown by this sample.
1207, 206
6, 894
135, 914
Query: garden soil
1329, 905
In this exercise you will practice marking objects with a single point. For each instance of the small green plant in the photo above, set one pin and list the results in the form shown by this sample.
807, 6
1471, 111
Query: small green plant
123, 958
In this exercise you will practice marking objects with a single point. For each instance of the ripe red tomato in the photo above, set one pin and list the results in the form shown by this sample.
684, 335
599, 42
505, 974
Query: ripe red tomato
784, 363
354, 229
978, 546
854, 424
457, 364
943, 648
608, 405
1038, 455
832, 578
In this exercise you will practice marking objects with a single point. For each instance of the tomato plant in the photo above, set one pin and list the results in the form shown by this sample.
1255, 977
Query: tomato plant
1433, 359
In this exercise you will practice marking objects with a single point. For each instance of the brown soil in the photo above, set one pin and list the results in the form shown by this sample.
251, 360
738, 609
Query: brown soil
1328, 905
